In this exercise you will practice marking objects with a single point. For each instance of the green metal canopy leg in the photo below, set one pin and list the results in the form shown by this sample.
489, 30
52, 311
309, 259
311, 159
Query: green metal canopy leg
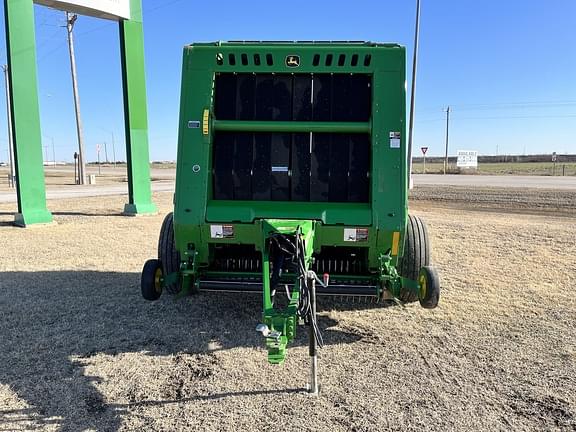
21, 49
135, 114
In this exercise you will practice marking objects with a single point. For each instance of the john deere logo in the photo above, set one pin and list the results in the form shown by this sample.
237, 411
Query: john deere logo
292, 61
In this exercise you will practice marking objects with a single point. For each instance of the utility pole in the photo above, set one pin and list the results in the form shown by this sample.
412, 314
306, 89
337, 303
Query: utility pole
413, 93
53, 154
113, 150
45, 155
447, 128
70, 20
113, 147
106, 152
12, 182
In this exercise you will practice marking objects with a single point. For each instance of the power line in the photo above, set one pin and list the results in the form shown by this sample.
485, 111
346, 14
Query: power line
48, 39
429, 120
515, 104
517, 117
58, 48
503, 105
93, 29
170, 3
107, 24
497, 117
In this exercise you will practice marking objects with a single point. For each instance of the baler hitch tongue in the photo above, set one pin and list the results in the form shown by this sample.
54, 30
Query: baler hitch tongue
289, 244
263, 328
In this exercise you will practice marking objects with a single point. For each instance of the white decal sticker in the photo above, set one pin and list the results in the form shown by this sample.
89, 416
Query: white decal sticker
350, 234
221, 231
395, 139
216, 231
355, 234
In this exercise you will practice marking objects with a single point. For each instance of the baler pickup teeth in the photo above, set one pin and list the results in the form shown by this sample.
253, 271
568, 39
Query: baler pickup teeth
333, 289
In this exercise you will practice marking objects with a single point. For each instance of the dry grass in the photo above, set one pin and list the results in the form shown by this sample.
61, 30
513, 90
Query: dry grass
80, 350
503, 168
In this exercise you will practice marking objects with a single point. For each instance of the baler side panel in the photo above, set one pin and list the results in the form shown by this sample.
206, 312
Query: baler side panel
389, 181
194, 164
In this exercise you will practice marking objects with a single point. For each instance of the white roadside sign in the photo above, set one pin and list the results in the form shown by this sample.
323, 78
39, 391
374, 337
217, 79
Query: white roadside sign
467, 159
109, 9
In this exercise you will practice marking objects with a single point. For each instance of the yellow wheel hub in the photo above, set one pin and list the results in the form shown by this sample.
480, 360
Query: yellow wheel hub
423, 286
158, 280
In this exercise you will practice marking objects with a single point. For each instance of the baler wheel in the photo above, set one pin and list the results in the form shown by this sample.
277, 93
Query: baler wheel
416, 255
151, 280
167, 253
429, 282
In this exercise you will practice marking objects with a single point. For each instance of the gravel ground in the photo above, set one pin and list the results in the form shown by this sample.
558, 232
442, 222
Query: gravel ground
518, 200
80, 350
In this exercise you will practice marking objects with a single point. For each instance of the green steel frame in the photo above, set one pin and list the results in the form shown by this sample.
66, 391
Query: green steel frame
21, 51
320, 224
135, 113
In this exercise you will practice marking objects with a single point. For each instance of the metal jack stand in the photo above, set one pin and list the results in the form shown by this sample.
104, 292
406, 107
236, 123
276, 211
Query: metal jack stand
313, 386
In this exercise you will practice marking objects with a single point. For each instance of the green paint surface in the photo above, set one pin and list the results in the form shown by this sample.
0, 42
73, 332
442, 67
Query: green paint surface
387, 210
135, 112
21, 50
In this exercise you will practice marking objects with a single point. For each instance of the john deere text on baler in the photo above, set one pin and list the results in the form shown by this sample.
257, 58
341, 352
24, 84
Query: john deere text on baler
291, 164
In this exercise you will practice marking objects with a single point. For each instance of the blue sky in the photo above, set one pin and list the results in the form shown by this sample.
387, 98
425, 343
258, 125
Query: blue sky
506, 68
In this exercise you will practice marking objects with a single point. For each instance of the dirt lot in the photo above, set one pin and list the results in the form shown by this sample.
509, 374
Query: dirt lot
80, 350
498, 199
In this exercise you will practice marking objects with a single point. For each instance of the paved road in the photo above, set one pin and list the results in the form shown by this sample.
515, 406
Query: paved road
89, 190
163, 173
537, 182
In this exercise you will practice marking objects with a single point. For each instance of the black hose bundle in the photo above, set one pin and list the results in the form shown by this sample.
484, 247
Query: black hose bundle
290, 250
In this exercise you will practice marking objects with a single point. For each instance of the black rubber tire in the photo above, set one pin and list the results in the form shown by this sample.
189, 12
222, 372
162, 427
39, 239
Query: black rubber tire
429, 294
150, 286
167, 253
416, 255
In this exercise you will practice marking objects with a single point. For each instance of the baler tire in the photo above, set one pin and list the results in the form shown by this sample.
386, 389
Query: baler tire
429, 293
150, 280
167, 253
416, 255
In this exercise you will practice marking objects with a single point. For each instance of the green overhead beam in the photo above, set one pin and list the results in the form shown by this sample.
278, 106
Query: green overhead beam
21, 51
135, 113
291, 126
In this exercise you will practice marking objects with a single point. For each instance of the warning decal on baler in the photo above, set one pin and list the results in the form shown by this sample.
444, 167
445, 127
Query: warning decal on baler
355, 234
395, 139
222, 231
